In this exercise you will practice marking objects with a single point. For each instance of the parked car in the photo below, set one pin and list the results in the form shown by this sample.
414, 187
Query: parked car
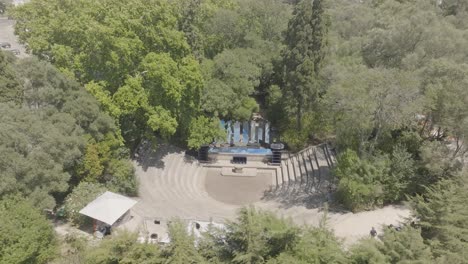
5, 45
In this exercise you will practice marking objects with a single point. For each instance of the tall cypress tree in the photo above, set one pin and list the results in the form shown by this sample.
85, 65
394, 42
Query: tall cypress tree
306, 43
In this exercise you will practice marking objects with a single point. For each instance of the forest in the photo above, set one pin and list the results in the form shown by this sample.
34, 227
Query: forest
384, 81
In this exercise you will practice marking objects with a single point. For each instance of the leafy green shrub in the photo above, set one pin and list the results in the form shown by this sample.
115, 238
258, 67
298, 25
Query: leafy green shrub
359, 185
443, 217
123, 178
295, 139
204, 130
83, 194
403, 246
412, 142
357, 195
258, 235
401, 177
367, 251
123, 248
373, 181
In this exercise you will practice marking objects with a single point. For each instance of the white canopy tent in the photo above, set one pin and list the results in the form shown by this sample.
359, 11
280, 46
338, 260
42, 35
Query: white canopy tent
108, 207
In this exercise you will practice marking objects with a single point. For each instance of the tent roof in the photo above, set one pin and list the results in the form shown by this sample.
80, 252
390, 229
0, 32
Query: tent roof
108, 207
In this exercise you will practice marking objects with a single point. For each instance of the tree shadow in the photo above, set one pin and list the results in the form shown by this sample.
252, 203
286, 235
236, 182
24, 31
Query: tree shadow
312, 192
149, 156
191, 156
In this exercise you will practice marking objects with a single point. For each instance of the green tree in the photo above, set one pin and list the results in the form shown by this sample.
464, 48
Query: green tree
36, 154
147, 60
402, 177
443, 218
203, 131
359, 181
123, 248
120, 177
92, 168
306, 46
25, 235
366, 251
367, 104
81, 195
257, 236
182, 248
315, 245
231, 79
446, 102
10, 89
403, 246
45, 139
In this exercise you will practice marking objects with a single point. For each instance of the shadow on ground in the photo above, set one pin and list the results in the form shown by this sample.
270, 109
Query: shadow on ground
149, 156
315, 192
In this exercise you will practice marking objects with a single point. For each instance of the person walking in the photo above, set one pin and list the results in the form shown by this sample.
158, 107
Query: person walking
373, 232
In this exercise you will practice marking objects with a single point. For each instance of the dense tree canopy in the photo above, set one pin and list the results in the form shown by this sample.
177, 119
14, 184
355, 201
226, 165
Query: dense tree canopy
25, 235
55, 134
384, 81
131, 52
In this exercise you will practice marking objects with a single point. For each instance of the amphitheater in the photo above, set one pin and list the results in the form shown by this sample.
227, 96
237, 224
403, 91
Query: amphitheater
175, 185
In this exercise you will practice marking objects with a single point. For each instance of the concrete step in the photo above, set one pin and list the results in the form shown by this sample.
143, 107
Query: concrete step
297, 169
284, 172
307, 168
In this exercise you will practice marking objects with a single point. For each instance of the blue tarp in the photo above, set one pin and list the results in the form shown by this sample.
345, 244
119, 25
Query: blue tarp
241, 150
251, 132
260, 133
229, 132
245, 132
236, 132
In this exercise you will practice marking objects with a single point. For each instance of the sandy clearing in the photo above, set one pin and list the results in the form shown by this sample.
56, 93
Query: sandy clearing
237, 190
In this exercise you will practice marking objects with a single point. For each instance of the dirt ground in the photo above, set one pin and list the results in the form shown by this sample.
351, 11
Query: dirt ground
237, 190
7, 35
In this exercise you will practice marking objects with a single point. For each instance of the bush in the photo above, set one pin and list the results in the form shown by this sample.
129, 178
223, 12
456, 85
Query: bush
366, 183
359, 186
401, 178
294, 139
123, 248
367, 251
123, 178
204, 130
357, 195
83, 194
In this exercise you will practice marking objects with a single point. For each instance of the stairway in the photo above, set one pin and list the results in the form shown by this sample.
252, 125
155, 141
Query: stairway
306, 170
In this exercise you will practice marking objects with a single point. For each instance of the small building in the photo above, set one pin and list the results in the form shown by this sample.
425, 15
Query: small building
107, 209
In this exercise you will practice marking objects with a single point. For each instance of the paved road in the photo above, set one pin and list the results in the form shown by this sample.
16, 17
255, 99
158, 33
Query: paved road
7, 35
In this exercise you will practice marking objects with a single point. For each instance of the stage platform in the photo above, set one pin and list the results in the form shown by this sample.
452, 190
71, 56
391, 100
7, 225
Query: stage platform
241, 172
